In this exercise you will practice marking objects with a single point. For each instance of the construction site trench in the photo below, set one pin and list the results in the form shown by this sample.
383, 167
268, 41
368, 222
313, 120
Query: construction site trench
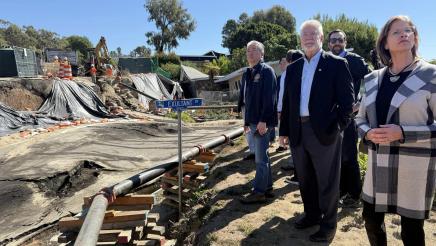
44, 177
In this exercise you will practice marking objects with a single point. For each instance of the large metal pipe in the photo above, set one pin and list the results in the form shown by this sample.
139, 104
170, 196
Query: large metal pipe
88, 235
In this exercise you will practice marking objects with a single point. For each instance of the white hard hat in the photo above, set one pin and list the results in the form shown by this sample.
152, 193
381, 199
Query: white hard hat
56, 57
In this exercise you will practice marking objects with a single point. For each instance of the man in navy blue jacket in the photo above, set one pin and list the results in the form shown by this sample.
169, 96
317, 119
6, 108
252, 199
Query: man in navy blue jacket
260, 117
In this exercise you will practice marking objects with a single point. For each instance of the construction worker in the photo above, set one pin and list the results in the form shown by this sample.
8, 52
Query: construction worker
93, 72
109, 71
56, 59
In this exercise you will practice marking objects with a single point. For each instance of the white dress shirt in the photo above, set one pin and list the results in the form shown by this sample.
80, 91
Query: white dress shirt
309, 70
282, 89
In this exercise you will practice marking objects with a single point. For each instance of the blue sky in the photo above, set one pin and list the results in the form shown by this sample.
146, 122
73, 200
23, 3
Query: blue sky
124, 23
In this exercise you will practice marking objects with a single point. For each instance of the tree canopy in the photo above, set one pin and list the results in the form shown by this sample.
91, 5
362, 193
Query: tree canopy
141, 51
28, 37
276, 15
39, 39
361, 36
79, 43
275, 28
173, 22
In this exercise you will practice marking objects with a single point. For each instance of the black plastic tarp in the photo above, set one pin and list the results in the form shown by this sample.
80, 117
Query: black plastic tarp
67, 100
72, 100
12, 121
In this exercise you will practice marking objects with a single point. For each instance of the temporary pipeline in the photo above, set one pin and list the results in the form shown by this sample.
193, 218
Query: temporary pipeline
90, 230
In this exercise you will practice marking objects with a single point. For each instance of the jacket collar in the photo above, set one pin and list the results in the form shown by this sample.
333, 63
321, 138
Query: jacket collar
372, 84
409, 86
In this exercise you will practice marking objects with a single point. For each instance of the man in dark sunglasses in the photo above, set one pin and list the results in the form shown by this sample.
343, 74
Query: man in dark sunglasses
350, 186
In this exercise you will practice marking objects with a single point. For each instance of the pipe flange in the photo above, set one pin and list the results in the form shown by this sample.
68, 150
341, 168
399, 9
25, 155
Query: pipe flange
201, 148
227, 138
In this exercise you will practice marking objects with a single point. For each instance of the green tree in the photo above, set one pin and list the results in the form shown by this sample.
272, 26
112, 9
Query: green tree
361, 36
276, 15
3, 41
113, 54
433, 61
79, 43
274, 27
224, 64
41, 39
142, 51
212, 69
16, 37
275, 38
167, 58
173, 69
172, 21
119, 51
239, 58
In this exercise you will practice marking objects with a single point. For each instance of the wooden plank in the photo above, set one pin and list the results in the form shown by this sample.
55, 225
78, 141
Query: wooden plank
71, 223
190, 176
138, 233
201, 178
190, 162
145, 243
106, 243
160, 239
108, 235
110, 213
206, 157
198, 167
127, 200
153, 217
175, 190
158, 230
127, 216
151, 225
124, 225
125, 236
131, 207
189, 185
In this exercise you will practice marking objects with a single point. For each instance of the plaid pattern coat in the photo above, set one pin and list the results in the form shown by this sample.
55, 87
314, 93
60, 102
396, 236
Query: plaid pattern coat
401, 176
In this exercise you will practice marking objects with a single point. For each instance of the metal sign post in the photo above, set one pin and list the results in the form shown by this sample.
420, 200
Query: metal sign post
179, 142
179, 106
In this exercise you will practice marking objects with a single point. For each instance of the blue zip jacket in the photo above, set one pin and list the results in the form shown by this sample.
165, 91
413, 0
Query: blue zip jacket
260, 95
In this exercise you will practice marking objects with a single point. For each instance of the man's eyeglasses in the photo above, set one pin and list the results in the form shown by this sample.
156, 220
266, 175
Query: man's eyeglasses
334, 40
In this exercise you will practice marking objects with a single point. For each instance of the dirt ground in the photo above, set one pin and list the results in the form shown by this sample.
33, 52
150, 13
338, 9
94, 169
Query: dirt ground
20, 98
226, 221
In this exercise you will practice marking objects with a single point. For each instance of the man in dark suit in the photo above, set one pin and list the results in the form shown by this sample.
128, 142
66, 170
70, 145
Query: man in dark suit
317, 106
350, 185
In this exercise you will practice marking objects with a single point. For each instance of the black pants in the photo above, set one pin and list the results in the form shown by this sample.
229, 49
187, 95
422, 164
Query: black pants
412, 230
318, 168
350, 171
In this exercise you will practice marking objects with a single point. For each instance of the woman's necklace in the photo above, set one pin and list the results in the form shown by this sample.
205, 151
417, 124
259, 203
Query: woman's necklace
396, 76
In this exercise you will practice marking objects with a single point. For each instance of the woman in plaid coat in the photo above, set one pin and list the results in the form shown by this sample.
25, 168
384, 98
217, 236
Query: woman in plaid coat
397, 120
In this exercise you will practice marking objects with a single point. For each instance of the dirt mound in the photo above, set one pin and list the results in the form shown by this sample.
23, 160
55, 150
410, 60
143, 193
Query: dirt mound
20, 98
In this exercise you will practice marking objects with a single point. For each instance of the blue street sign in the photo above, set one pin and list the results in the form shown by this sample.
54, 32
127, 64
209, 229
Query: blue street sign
179, 104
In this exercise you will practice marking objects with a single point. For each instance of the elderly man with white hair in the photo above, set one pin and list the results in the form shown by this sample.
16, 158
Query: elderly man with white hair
317, 106
260, 117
